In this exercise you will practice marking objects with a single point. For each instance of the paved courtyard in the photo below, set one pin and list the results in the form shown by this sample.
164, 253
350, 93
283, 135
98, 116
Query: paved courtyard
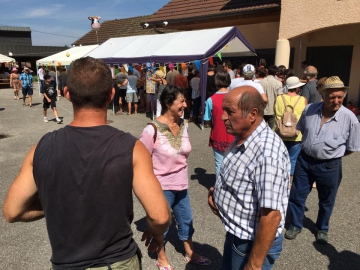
26, 245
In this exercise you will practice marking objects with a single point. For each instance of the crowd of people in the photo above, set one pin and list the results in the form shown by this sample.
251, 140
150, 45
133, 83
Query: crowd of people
272, 135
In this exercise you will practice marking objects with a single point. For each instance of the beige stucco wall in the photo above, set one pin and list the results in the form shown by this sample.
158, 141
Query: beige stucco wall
303, 16
334, 36
261, 35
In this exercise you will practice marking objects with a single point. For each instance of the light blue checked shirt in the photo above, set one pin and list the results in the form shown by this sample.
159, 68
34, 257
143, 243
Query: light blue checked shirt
253, 175
339, 134
26, 80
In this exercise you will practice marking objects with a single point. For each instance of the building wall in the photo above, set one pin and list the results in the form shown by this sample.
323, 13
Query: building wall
302, 16
15, 37
261, 35
333, 36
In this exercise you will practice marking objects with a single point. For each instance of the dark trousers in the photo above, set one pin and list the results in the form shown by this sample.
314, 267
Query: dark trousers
196, 107
270, 120
327, 174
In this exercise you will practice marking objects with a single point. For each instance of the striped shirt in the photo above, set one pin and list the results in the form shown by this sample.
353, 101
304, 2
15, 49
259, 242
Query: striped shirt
339, 134
253, 175
26, 80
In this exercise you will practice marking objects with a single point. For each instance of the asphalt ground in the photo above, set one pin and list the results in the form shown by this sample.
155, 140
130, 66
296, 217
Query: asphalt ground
26, 245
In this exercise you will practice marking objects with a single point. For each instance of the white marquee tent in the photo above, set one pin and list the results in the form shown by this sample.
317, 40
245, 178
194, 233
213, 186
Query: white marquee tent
6, 59
176, 47
64, 58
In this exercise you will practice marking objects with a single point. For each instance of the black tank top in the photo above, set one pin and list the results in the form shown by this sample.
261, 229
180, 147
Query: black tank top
84, 177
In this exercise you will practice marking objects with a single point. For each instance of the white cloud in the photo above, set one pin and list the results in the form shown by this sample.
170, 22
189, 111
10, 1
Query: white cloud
45, 12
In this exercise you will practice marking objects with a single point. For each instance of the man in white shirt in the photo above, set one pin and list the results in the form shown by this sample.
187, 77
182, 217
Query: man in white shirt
227, 67
40, 74
249, 72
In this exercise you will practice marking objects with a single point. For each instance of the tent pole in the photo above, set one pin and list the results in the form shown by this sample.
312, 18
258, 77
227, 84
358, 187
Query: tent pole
37, 73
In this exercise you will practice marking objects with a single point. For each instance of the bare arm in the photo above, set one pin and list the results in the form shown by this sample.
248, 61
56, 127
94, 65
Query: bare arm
22, 202
264, 238
148, 190
264, 97
211, 202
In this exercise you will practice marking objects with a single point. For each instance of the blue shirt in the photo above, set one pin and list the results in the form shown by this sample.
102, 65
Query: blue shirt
339, 134
209, 106
26, 80
253, 175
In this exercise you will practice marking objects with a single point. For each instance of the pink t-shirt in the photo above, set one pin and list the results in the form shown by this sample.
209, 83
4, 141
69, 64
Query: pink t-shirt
169, 154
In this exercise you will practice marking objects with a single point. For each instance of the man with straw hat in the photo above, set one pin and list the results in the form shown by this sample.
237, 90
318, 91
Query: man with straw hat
330, 131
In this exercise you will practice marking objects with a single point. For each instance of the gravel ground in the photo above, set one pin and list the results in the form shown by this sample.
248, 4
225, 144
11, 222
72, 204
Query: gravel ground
26, 245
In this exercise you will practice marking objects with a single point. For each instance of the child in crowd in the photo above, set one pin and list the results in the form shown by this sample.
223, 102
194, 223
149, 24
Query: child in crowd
50, 93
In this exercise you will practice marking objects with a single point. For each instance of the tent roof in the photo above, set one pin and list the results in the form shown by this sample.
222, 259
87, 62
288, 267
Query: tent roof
174, 47
60, 57
6, 59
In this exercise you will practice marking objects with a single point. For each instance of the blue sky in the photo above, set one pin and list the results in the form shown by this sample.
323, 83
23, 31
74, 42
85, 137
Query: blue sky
69, 17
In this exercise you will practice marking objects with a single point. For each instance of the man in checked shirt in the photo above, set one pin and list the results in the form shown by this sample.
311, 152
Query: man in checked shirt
252, 189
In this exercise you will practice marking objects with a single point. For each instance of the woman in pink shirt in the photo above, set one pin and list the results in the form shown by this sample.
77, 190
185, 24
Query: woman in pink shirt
167, 140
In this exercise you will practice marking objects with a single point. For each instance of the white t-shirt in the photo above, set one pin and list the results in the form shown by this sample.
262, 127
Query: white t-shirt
257, 86
41, 73
234, 82
232, 74
194, 83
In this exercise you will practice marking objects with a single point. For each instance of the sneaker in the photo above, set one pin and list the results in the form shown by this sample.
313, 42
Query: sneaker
291, 233
322, 237
45, 120
59, 121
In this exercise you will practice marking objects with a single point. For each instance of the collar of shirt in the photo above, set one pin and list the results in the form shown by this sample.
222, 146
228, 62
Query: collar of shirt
335, 116
253, 136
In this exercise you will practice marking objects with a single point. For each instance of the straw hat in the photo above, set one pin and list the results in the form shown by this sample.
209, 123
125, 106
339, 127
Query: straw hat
159, 74
333, 82
293, 82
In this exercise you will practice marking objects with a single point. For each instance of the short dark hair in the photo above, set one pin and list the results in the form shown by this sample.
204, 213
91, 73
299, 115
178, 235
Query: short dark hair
289, 72
227, 64
89, 82
272, 70
250, 100
168, 96
262, 62
261, 72
222, 79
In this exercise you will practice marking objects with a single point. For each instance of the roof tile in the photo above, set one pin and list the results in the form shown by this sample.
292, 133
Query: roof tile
118, 28
180, 9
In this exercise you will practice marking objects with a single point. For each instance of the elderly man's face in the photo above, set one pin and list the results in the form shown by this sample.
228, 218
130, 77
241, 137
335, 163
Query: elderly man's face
232, 116
333, 99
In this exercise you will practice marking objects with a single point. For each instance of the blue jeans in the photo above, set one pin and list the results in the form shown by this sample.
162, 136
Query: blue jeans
219, 156
237, 251
294, 150
327, 174
180, 205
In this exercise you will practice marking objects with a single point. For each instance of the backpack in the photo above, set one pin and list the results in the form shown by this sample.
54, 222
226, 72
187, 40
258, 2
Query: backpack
286, 125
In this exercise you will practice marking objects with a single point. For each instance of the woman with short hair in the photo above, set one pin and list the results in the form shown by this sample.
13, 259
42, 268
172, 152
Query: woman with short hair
167, 140
219, 139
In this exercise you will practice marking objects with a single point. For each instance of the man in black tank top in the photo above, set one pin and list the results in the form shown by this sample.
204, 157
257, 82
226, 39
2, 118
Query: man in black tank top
88, 201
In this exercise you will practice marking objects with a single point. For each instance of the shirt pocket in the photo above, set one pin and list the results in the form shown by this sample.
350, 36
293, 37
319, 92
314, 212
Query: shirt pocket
334, 140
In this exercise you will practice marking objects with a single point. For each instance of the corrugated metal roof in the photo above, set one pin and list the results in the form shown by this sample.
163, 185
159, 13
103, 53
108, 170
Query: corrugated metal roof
14, 28
31, 51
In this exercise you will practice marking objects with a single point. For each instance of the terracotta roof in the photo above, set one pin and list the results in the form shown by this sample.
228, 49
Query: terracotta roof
118, 28
177, 10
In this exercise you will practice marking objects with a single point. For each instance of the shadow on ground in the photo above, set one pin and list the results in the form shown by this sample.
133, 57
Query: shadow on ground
338, 260
204, 179
172, 239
